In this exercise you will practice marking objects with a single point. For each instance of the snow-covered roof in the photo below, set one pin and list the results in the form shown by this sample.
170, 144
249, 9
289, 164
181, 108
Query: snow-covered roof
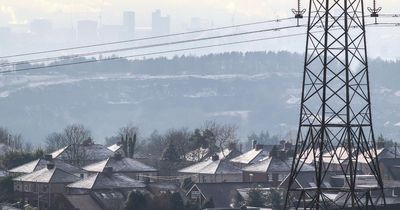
115, 147
251, 156
337, 157
274, 164
45, 175
103, 180
212, 167
93, 151
42, 163
120, 165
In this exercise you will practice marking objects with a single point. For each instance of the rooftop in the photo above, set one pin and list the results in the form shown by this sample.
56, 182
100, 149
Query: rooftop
275, 164
251, 156
45, 175
120, 164
93, 151
212, 167
42, 163
103, 180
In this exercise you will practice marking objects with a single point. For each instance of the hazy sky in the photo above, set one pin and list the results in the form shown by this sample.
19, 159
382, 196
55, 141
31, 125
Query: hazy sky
219, 11
65, 13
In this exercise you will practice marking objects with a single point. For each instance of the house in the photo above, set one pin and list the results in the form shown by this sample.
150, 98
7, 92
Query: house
224, 195
42, 163
43, 185
256, 154
389, 161
127, 166
82, 154
213, 170
105, 181
272, 170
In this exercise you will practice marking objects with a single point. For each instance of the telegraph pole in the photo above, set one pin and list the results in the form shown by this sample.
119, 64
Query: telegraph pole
335, 125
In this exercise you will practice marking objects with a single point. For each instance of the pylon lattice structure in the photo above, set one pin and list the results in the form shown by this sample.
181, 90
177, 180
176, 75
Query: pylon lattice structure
335, 129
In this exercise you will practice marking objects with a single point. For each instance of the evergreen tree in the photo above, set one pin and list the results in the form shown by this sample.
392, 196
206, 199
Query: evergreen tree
170, 153
256, 198
209, 203
177, 202
136, 201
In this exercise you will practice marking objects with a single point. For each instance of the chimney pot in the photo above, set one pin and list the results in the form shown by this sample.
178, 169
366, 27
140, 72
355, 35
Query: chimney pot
254, 144
215, 157
48, 157
259, 147
50, 166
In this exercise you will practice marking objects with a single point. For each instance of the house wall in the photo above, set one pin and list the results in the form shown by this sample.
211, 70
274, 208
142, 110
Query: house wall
216, 178
274, 179
30, 187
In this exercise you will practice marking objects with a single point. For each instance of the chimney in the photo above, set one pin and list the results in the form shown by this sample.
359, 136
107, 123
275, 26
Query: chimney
50, 166
259, 147
48, 157
254, 144
215, 157
282, 144
380, 144
288, 146
118, 156
108, 171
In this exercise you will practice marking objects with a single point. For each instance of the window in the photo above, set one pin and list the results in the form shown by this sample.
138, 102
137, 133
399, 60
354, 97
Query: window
281, 177
270, 178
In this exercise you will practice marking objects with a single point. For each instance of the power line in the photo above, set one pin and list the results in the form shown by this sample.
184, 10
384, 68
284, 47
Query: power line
151, 53
171, 51
145, 38
147, 46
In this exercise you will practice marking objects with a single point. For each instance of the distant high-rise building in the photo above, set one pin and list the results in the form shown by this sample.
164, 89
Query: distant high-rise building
129, 24
160, 24
41, 27
87, 30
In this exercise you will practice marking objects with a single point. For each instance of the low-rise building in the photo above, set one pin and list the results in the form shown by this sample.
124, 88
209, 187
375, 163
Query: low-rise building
224, 195
43, 186
213, 170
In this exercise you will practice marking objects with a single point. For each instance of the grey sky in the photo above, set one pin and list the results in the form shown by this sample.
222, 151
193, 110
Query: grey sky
65, 13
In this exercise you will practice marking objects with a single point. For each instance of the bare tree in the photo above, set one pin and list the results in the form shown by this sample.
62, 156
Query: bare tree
223, 134
75, 137
55, 141
128, 136
180, 139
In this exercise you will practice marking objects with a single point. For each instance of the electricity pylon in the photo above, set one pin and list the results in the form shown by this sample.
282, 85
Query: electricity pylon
335, 130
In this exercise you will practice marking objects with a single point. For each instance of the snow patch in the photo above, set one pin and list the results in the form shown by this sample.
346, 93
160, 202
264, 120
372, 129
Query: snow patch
242, 114
202, 94
4, 94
